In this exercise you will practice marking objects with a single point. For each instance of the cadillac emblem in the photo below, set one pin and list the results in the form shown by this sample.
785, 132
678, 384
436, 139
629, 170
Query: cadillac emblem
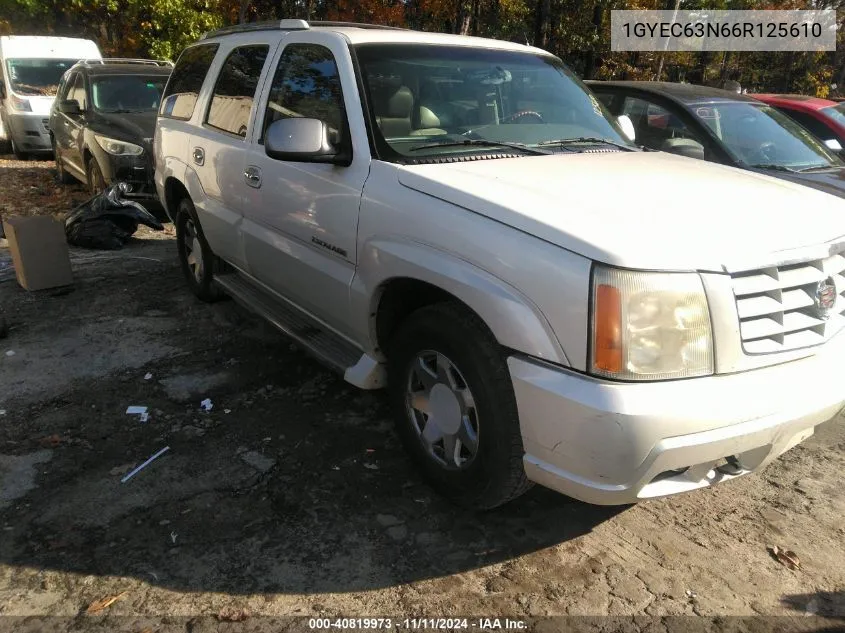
825, 298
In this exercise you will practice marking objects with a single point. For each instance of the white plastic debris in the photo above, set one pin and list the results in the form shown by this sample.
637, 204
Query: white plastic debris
144, 417
173, 536
2, 411
135, 410
206, 405
147, 376
11, 352
227, 410
134, 472
371, 466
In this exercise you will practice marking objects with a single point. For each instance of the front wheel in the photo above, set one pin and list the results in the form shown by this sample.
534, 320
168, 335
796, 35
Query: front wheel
198, 261
61, 173
455, 408
96, 181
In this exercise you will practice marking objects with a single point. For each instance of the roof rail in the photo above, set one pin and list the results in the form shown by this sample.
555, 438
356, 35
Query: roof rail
127, 60
289, 25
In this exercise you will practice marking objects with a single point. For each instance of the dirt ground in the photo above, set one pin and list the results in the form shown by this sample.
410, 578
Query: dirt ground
292, 495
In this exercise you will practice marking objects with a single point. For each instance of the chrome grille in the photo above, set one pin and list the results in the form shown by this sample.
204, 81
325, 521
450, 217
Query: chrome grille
777, 305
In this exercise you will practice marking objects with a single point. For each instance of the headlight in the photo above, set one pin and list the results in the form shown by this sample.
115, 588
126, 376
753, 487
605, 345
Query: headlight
649, 326
21, 105
118, 148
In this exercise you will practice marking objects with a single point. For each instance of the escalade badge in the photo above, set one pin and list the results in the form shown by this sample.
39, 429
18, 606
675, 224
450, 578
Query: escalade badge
825, 297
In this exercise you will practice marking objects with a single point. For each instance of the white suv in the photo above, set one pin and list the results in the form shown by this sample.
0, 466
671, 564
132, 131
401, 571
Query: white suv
458, 219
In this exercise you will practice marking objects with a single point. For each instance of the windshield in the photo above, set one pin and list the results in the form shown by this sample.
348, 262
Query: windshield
837, 113
127, 93
429, 101
760, 136
37, 77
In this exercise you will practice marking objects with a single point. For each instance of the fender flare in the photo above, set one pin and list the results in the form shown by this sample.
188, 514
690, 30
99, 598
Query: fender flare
515, 321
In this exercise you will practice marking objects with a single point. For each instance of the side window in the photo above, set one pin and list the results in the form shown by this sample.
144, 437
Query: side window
77, 92
180, 96
607, 100
816, 127
64, 87
655, 124
234, 92
307, 84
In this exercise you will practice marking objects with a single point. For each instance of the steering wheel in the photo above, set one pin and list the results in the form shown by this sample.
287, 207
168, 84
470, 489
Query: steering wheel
766, 153
521, 115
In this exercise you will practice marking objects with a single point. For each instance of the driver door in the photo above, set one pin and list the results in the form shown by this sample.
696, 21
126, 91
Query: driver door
300, 218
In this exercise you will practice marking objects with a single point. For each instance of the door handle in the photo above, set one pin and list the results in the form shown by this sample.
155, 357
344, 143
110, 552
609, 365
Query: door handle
199, 155
252, 175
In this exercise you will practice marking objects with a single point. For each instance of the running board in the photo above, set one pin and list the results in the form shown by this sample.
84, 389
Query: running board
355, 366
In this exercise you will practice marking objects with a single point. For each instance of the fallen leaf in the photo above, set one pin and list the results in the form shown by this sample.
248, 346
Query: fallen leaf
786, 558
51, 440
231, 614
99, 605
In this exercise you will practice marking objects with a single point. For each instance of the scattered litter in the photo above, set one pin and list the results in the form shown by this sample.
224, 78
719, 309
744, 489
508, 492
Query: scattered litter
691, 594
135, 410
99, 605
11, 352
144, 465
2, 411
206, 405
335, 468
121, 470
144, 417
787, 558
267, 439
231, 614
371, 466
227, 411
147, 376
173, 536
107, 220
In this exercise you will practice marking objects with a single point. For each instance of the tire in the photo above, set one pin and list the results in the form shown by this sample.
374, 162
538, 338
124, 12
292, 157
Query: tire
482, 473
61, 175
96, 182
199, 264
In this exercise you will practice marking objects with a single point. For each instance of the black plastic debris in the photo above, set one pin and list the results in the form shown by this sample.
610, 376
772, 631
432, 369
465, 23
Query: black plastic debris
108, 220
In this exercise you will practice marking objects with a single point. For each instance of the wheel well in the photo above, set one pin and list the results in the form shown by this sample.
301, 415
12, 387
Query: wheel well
399, 299
174, 192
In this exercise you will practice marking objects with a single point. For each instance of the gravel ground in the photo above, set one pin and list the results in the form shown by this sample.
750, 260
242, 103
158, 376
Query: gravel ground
292, 495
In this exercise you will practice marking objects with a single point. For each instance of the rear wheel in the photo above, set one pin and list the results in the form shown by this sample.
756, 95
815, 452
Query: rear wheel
62, 175
96, 182
455, 408
199, 264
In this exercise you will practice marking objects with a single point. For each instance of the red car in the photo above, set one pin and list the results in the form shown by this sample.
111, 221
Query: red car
825, 119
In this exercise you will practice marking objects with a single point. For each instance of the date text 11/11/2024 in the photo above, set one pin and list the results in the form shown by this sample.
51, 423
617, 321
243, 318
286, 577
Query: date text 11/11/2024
417, 624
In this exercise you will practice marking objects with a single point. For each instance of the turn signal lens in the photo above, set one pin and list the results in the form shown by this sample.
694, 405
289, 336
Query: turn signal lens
608, 329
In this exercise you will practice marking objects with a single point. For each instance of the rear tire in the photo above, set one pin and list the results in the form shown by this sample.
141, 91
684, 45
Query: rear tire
199, 263
61, 175
447, 370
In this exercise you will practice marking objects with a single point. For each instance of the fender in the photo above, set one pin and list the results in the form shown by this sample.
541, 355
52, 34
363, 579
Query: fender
172, 168
514, 320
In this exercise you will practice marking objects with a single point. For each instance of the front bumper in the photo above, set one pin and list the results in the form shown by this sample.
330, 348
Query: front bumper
31, 132
615, 443
135, 170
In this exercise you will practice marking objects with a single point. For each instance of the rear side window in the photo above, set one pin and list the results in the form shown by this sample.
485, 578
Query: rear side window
234, 92
180, 96
77, 92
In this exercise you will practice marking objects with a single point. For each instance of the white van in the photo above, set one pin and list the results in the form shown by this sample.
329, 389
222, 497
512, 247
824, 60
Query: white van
30, 70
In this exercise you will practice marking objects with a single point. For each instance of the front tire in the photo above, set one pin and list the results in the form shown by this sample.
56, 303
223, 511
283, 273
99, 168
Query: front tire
455, 408
96, 181
199, 264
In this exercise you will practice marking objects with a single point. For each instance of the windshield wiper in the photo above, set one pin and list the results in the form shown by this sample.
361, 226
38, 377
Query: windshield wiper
591, 140
475, 142
818, 168
773, 167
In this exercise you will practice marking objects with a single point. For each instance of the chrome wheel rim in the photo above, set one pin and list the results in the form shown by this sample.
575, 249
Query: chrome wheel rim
442, 410
193, 252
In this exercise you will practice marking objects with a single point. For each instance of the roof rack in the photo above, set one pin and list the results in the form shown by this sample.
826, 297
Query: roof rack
291, 25
127, 60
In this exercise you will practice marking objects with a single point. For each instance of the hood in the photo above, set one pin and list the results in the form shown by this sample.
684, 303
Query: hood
639, 209
135, 127
830, 181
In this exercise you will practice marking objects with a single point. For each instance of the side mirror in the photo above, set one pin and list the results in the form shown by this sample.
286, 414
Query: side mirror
302, 140
833, 144
69, 106
627, 126
684, 147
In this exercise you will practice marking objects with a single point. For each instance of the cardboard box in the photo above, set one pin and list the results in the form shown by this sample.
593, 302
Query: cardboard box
39, 252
